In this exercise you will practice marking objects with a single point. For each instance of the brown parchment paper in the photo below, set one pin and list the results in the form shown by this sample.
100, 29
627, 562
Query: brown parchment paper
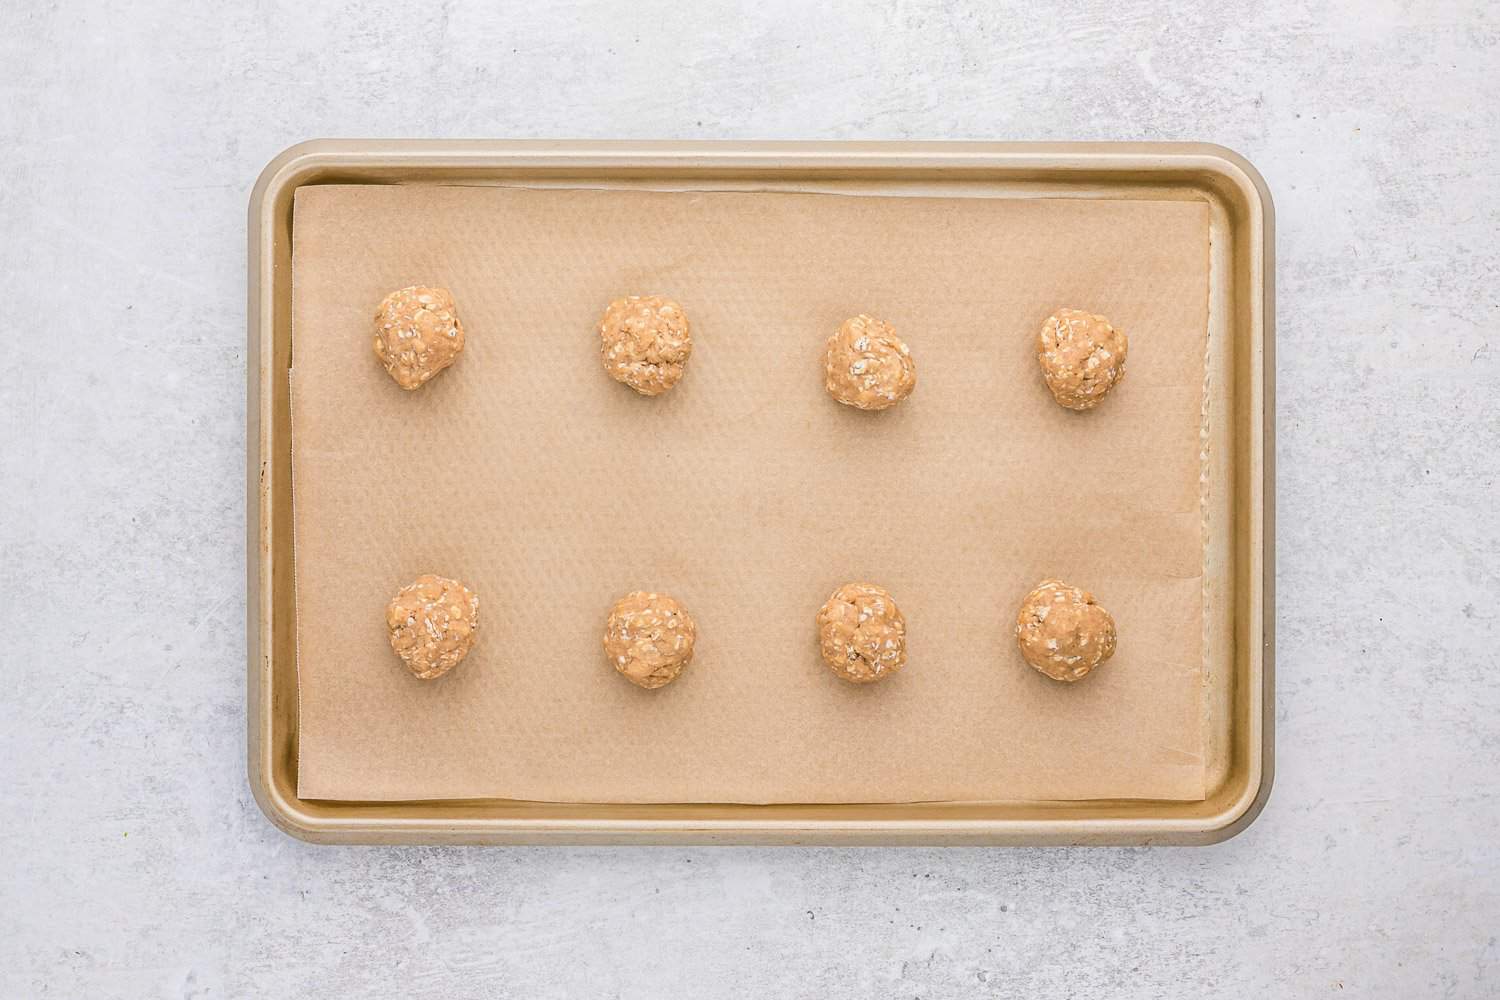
746, 493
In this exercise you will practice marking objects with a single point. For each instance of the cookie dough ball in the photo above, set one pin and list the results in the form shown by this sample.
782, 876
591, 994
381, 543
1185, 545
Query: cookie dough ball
649, 638
1062, 632
1082, 357
644, 341
861, 633
433, 622
417, 334
867, 366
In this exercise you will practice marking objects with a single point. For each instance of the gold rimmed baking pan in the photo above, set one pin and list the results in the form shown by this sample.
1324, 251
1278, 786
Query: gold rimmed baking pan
1238, 483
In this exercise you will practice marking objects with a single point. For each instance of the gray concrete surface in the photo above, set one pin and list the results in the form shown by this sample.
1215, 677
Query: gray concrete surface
133, 862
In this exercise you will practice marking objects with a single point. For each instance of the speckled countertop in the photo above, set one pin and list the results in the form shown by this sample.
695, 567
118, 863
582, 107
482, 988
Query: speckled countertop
135, 863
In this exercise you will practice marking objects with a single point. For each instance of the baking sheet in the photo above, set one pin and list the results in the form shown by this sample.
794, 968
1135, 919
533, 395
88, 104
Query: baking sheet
746, 493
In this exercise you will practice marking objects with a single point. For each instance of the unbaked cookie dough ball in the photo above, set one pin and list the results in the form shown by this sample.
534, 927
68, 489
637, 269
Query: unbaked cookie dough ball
649, 638
417, 334
867, 366
433, 622
1082, 357
645, 342
861, 633
1062, 632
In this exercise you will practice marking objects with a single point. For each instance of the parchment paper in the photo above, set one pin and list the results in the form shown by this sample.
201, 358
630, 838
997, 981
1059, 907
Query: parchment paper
748, 494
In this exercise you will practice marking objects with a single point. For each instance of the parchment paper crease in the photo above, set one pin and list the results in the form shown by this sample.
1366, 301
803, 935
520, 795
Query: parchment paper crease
748, 494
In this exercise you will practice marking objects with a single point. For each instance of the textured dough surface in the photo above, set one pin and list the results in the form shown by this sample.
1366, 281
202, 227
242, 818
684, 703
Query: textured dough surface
649, 638
867, 366
1082, 357
417, 334
1062, 632
645, 342
861, 633
433, 622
